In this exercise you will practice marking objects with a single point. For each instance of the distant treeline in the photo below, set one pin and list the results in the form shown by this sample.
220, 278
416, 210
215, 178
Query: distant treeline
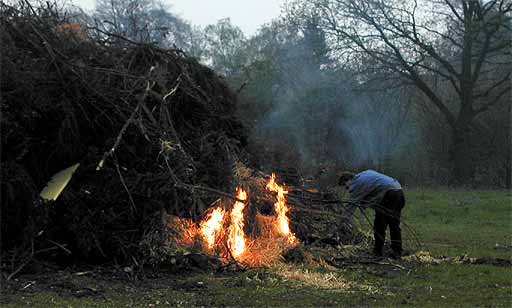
416, 89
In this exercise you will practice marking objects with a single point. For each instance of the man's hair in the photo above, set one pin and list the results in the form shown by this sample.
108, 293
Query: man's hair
345, 176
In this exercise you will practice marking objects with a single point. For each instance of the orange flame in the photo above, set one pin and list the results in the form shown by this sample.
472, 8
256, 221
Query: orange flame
236, 237
211, 226
283, 222
224, 234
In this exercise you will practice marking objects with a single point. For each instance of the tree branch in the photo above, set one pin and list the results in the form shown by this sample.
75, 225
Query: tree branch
454, 10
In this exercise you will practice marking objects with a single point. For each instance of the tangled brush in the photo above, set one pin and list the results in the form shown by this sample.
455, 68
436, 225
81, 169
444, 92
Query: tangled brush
145, 124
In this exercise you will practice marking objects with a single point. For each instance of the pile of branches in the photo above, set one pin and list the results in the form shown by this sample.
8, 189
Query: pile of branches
316, 217
149, 127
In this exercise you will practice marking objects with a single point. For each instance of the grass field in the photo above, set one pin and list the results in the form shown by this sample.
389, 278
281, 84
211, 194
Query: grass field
477, 223
447, 222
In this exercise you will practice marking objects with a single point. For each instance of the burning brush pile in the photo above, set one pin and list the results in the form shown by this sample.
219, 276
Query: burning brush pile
145, 129
223, 231
151, 136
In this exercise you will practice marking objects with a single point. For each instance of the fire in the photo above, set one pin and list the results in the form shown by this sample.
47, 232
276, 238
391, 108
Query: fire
236, 236
282, 222
211, 226
222, 231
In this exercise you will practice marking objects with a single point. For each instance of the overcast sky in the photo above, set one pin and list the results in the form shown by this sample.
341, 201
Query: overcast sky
246, 14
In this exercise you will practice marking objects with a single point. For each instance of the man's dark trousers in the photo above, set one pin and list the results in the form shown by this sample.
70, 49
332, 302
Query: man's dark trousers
388, 213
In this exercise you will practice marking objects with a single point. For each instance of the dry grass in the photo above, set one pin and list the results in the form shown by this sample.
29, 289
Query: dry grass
241, 172
264, 248
267, 247
306, 277
182, 232
423, 257
327, 281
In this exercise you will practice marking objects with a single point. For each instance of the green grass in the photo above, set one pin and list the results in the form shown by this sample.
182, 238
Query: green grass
451, 223
447, 222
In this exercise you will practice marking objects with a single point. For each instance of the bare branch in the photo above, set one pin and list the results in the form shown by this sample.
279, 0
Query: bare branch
454, 10
493, 102
494, 86
403, 42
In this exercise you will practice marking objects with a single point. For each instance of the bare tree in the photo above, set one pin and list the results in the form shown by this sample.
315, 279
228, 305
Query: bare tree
147, 21
463, 44
125, 17
225, 44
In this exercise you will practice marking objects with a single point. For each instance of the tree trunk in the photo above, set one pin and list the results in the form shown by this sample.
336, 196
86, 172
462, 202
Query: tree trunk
462, 155
508, 158
508, 174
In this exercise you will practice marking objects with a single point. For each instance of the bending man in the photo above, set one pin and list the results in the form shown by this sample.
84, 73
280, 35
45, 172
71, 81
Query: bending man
383, 193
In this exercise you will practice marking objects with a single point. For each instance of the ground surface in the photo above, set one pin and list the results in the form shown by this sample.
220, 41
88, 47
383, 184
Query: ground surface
460, 224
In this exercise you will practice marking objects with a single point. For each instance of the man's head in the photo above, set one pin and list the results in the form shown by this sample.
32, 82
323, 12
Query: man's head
345, 178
